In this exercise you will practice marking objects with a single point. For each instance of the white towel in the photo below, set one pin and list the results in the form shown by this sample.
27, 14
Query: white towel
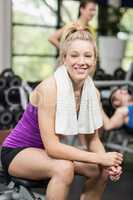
89, 117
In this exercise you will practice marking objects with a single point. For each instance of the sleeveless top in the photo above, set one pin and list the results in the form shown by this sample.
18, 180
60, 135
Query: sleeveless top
130, 116
26, 133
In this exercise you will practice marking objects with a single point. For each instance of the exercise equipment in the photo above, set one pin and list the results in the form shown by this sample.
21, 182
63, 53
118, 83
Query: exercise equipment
15, 185
3, 83
108, 77
7, 73
120, 140
15, 81
14, 93
6, 119
99, 74
12, 96
107, 84
119, 74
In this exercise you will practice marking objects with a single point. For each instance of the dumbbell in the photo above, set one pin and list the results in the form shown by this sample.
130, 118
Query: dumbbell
15, 81
12, 79
6, 118
2, 98
7, 73
12, 96
119, 74
99, 74
108, 77
3, 83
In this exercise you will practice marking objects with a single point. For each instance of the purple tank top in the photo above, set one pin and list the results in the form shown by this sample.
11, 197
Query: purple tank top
26, 133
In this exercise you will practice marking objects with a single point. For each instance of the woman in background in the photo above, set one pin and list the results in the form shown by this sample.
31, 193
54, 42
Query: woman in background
87, 11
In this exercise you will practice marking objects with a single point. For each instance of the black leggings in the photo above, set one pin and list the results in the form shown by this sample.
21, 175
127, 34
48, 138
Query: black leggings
7, 155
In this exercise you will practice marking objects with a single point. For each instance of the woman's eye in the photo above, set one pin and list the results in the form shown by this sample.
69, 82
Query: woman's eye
88, 55
74, 55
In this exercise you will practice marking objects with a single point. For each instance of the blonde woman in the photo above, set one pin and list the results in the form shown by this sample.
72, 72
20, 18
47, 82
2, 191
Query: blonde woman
64, 104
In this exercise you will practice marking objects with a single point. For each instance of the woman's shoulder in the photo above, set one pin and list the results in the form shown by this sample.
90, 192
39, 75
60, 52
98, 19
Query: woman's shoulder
47, 84
45, 90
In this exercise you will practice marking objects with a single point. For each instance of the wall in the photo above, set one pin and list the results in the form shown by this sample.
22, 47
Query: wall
5, 34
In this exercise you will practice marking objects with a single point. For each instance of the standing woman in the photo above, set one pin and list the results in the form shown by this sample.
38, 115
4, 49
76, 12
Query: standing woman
64, 104
87, 11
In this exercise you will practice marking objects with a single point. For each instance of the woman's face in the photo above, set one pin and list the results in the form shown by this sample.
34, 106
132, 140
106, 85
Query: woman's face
89, 11
80, 59
120, 98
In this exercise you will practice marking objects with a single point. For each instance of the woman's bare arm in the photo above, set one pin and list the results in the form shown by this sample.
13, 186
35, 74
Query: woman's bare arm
94, 143
55, 37
53, 146
116, 121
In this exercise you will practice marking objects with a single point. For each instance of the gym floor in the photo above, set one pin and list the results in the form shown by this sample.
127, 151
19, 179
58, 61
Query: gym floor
122, 190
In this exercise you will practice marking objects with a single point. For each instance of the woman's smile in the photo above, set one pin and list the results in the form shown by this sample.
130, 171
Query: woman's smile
81, 70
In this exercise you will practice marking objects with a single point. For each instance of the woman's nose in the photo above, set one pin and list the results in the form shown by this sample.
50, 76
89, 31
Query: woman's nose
81, 60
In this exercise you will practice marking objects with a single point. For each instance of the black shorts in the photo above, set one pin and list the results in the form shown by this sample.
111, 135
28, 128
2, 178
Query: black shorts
7, 155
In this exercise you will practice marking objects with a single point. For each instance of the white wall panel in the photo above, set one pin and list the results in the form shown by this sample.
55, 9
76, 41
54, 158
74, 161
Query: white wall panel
5, 34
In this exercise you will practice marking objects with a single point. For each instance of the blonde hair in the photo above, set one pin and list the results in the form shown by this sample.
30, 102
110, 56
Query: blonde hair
74, 33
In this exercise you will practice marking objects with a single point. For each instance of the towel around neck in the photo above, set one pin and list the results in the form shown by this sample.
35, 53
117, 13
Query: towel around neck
89, 116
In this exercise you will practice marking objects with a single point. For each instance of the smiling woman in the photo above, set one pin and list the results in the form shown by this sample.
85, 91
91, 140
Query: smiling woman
82, 52
57, 112
80, 60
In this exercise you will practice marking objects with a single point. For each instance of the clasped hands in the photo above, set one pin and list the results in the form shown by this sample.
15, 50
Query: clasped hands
114, 172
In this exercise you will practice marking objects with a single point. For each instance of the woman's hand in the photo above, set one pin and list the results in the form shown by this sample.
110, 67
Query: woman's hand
114, 173
111, 159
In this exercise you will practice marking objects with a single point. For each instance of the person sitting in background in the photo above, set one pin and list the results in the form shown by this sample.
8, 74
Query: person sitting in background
87, 11
122, 101
64, 104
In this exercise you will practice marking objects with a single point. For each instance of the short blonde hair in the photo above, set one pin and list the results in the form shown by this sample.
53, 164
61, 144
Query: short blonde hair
74, 33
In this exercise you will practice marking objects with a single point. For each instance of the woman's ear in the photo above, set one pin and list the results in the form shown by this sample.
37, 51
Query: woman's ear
93, 68
94, 64
81, 10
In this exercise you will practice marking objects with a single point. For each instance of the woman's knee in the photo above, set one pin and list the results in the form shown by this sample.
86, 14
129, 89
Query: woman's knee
92, 171
65, 171
99, 173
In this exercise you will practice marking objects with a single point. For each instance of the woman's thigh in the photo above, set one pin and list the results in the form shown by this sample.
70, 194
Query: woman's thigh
33, 163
